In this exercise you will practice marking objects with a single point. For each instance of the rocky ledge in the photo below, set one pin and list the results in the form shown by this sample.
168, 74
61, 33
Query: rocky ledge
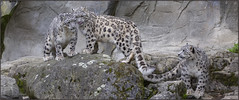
98, 76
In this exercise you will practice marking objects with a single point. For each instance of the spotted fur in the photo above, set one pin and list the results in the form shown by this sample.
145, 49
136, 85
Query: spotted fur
123, 33
62, 31
194, 63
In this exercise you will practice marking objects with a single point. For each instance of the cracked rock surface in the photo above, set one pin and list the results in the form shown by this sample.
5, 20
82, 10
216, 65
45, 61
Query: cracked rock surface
164, 26
82, 76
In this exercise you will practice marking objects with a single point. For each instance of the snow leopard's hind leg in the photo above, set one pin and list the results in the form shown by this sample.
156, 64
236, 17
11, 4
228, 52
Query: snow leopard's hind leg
90, 44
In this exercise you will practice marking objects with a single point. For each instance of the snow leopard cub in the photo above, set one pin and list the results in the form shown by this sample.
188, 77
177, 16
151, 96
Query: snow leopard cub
61, 32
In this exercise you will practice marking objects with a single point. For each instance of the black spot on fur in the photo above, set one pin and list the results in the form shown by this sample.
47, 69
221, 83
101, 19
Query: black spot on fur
108, 35
138, 51
104, 29
127, 36
150, 76
121, 27
144, 67
136, 38
123, 32
109, 30
47, 52
127, 30
124, 48
122, 39
113, 26
142, 63
136, 31
107, 23
140, 58
173, 74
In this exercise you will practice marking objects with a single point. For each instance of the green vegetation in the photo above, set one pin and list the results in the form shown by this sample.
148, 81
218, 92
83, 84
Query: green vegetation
228, 80
234, 49
22, 84
152, 93
185, 96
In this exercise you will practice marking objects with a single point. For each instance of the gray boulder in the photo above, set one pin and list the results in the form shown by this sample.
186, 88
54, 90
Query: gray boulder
168, 90
83, 76
9, 88
223, 68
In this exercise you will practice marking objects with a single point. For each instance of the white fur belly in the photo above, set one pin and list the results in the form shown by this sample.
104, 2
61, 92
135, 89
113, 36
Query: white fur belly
194, 71
66, 37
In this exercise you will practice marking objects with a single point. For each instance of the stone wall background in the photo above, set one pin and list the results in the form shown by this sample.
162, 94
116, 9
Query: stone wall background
164, 25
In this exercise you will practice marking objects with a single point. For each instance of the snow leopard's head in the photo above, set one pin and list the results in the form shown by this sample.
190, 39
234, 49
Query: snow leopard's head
187, 52
82, 15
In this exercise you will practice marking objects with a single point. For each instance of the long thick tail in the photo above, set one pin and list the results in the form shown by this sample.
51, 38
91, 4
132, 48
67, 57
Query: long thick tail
137, 48
161, 77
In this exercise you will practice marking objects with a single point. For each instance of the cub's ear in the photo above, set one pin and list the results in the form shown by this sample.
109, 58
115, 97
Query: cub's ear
192, 49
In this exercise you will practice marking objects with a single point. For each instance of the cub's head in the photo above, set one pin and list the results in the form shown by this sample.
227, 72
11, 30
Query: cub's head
187, 52
69, 23
81, 14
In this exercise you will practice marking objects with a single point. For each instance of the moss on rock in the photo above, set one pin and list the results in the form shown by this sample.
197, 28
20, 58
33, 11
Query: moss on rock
227, 80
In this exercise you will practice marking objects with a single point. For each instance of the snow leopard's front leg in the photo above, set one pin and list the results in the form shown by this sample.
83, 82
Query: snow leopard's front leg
202, 80
58, 45
90, 44
47, 48
187, 81
73, 41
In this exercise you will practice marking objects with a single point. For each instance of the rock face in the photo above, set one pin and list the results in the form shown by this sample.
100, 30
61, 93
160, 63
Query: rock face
9, 88
24, 35
164, 25
83, 76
